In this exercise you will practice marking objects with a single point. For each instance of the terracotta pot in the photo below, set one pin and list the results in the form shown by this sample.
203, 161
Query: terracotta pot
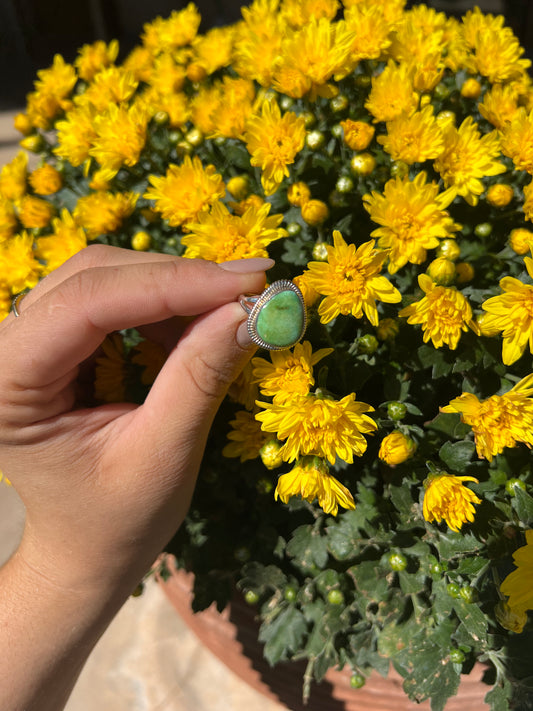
232, 637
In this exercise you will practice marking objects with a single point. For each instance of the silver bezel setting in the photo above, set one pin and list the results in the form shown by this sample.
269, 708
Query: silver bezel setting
253, 305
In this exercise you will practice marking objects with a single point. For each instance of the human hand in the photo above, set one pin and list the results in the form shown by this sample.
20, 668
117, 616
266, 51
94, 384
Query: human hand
106, 487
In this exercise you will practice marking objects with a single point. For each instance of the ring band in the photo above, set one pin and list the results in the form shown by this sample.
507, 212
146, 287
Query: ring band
277, 317
15, 302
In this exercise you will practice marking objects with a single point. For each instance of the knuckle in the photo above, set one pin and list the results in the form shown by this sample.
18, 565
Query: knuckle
209, 378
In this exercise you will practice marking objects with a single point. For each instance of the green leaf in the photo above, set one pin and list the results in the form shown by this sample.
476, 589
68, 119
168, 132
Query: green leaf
308, 548
457, 455
284, 635
473, 619
412, 583
370, 580
522, 503
453, 544
258, 577
449, 423
402, 500
499, 696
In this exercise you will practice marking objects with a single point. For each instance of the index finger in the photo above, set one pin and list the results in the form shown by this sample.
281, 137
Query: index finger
66, 325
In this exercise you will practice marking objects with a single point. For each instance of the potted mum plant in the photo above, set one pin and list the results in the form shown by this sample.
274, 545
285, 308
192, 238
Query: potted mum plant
370, 489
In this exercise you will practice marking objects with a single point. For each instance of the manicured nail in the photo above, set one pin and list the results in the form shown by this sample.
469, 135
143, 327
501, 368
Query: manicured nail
243, 337
247, 266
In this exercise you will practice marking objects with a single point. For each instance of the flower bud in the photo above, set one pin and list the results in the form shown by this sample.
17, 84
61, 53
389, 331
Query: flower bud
521, 240
464, 272
315, 140
449, 249
344, 184
471, 88
445, 118
33, 143
196, 72
499, 195
237, 187
195, 137
388, 329
23, 124
294, 228
298, 194
320, 252
510, 618
315, 212
141, 241
338, 103
396, 448
442, 271
270, 454
357, 134
363, 164
367, 344
483, 229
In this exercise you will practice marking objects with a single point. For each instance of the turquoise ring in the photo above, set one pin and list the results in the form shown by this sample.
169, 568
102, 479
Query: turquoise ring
276, 318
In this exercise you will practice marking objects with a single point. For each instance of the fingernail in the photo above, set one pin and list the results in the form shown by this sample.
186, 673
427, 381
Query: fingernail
242, 337
247, 266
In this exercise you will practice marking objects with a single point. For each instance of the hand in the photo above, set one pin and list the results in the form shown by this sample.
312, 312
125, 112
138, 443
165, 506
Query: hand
106, 487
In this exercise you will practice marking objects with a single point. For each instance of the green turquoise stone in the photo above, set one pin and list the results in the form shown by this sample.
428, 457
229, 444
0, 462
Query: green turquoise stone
280, 322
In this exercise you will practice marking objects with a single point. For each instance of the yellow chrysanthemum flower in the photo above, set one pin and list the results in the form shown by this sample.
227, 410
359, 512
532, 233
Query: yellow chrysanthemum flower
310, 479
499, 105
110, 371
224, 108
103, 212
92, 58
258, 41
246, 437
413, 138
178, 30
13, 177
185, 190
499, 421
297, 13
446, 498
289, 373
34, 212
527, 207
371, 28
213, 50
518, 585
58, 80
18, 266
396, 448
311, 56
315, 425
45, 180
392, 93
167, 76
113, 85
512, 314
443, 312
75, 134
120, 135
350, 281
67, 239
467, 158
517, 140
220, 236
273, 141
8, 219
357, 134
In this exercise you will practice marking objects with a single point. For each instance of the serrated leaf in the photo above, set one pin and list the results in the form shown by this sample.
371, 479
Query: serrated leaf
473, 619
452, 544
457, 455
308, 547
370, 580
522, 503
402, 499
412, 583
258, 577
499, 696
284, 635
449, 423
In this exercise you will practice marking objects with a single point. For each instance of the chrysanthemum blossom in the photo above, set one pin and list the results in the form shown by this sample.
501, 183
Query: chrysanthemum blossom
177, 30
499, 421
273, 141
220, 236
512, 314
310, 479
413, 219
446, 498
467, 158
518, 585
289, 373
413, 138
245, 438
120, 135
392, 93
316, 425
517, 140
443, 312
396, 448
350, 281
103, 212
67, 239
185, 190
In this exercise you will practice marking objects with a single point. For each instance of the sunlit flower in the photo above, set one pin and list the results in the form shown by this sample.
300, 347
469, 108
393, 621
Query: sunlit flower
413, 219
518, 585
500, 194
413, 138
289, 372
499, 421
45, 180
67, 239
443, 312
34, 212
372, 30
13, 177
8, 219
396, 448
310, 479
351, 281
103, 212
314, 212
75, 134
499, 105
179, 29
298, 12
446, 498
392, 93
512, 314
19, 268
185, 190
467, 158
517, 140
521, 240
119, 136
273, 141
357, 134
113, 85
315, 425
246, 437
298, 194
94, 57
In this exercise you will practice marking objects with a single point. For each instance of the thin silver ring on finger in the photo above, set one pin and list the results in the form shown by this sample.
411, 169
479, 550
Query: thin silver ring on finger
16, 301
277, 317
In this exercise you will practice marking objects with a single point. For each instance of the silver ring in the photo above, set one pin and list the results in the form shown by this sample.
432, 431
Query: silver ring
15, 302
277, 317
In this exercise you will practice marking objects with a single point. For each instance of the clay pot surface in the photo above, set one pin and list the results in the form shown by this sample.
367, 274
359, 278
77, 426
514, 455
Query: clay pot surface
232, 637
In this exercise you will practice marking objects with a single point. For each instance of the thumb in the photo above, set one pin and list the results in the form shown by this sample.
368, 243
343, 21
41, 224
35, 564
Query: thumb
196, 376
